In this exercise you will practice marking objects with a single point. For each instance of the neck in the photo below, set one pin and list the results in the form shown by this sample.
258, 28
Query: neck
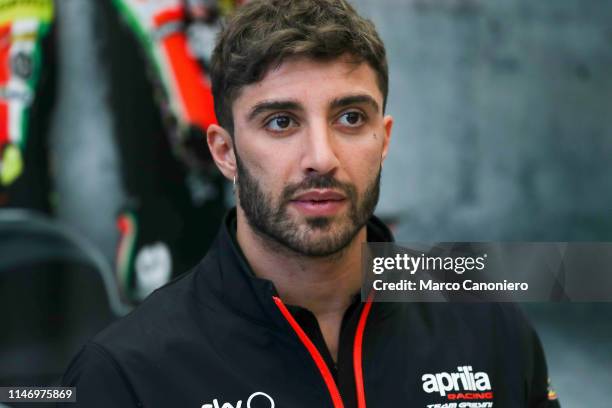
325, 285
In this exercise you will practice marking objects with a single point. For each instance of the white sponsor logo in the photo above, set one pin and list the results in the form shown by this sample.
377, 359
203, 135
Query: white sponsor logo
261, 397
153, 268
463, 380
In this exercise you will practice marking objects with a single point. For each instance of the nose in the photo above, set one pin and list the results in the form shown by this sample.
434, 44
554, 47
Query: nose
319, 155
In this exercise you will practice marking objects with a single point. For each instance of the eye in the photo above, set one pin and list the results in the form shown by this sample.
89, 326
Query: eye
352, 119
280, 123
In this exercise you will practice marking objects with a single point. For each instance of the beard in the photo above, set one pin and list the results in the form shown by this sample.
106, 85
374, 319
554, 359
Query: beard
322, 236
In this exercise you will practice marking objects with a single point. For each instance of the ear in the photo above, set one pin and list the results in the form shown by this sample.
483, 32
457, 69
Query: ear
388, 125
221, 148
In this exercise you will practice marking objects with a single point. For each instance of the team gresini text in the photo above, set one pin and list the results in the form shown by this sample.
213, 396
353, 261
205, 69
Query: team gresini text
467, 285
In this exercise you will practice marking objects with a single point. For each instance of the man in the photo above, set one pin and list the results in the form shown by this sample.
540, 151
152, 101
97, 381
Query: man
271, 317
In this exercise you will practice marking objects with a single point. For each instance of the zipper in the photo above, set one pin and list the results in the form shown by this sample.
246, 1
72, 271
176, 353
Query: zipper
320, 362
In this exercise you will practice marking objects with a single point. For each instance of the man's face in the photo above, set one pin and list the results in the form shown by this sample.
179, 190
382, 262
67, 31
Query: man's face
310, 139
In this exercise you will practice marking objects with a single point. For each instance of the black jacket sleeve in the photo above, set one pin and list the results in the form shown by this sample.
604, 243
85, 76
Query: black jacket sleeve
98, 379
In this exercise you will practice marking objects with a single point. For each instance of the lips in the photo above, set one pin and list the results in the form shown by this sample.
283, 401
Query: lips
320, 195
319, 203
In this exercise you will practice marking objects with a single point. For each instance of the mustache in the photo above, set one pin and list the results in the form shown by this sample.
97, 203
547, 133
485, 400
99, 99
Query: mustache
319, 182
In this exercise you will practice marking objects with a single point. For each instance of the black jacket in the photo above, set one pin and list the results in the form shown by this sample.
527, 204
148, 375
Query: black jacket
218, 337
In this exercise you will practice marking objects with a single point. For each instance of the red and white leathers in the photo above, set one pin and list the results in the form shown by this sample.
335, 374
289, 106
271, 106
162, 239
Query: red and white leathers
23, 26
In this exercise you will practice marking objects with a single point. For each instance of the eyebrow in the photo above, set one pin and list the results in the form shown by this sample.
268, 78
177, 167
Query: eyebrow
266, 106
353, 100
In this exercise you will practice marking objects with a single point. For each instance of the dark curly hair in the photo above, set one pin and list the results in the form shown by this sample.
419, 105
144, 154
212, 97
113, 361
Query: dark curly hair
263, 33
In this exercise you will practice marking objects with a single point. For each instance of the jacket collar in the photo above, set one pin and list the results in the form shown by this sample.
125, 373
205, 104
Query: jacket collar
226, 272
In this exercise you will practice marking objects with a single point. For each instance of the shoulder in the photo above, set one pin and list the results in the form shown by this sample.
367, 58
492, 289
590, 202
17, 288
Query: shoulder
173, 313
502, 329
497, 327
504, 321
163, 313
99, 380
135, 344
91, 358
